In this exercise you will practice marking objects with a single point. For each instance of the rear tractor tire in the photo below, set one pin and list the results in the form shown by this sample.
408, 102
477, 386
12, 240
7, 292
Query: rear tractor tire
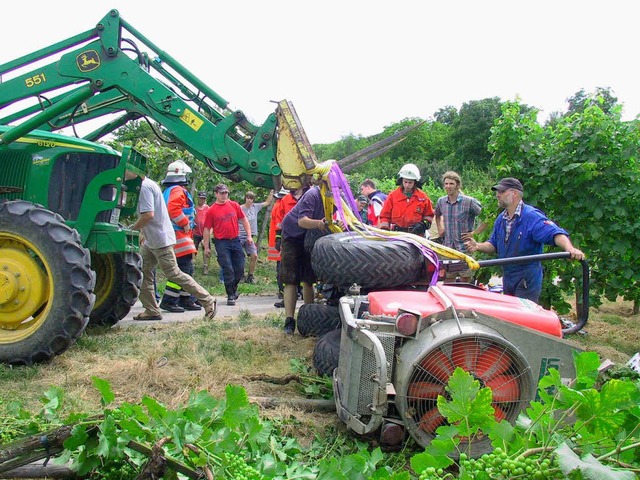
342, 259
46, 284
118, 281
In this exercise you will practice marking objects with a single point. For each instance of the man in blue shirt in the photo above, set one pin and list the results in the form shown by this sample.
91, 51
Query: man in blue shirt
521, 230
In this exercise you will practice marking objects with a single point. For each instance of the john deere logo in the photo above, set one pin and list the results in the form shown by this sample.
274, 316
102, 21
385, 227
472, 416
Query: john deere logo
87, 61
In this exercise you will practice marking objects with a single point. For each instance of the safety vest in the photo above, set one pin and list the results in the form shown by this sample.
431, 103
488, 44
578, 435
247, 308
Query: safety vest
182, 213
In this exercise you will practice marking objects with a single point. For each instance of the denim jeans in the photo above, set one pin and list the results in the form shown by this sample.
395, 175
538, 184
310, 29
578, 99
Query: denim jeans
231, 261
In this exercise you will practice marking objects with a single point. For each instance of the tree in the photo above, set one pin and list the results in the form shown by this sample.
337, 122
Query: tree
446, 115
603, 97
472, 129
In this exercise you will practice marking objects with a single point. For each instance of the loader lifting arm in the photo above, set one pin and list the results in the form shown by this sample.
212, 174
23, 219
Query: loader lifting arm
101, 72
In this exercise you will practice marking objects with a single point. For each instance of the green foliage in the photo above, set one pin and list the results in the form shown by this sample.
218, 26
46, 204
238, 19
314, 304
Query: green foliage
589, 429
311, 385
574, 431
582, 170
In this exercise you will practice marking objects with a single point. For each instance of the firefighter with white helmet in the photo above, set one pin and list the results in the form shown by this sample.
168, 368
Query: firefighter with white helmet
177, 172
182, 214
407, 208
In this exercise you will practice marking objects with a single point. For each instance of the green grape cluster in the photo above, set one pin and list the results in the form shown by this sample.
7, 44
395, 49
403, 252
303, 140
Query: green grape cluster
237, 469
499, 466
115, 471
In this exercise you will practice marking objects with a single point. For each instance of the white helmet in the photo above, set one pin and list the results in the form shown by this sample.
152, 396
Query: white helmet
281, 193
177, 172
409, 172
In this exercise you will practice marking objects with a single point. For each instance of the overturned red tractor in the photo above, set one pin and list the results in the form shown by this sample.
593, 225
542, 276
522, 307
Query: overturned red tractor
398, 347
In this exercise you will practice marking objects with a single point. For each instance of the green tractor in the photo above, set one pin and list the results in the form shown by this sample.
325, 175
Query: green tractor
65, 258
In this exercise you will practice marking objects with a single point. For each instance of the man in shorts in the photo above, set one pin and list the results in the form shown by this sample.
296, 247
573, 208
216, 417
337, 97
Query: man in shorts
308, 214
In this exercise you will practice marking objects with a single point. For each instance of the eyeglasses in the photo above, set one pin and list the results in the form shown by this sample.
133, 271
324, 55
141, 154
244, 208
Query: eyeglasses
223, 193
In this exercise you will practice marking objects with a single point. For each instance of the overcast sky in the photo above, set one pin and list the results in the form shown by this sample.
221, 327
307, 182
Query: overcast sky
356, 66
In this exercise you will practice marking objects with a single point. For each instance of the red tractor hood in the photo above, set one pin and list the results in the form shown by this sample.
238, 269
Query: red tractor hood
504, 307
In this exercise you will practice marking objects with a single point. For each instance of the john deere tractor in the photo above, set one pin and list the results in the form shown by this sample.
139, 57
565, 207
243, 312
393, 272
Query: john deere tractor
66, 259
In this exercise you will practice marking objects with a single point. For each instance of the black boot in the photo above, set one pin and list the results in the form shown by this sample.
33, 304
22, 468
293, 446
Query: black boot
171, 307
190, 305
289, 326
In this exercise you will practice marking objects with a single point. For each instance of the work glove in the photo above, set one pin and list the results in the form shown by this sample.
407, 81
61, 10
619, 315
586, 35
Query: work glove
420, 227
278, 239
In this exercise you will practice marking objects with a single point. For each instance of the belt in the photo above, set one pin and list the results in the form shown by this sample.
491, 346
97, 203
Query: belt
401, 229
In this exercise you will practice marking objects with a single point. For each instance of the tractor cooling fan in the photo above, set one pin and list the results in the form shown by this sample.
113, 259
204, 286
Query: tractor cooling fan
424, 368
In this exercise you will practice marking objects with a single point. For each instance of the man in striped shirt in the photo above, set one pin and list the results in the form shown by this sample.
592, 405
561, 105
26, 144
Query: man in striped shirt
455, 216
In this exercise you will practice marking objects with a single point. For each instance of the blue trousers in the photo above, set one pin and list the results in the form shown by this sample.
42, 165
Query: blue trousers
231, 260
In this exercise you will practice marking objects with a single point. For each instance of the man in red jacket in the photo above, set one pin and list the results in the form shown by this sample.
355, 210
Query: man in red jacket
182, 215
407, 208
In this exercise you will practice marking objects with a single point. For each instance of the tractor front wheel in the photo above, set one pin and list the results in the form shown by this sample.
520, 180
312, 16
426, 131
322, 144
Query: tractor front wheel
316, 319
46, 284
118, 280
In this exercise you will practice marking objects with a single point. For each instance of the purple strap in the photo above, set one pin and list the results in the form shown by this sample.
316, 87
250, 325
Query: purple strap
340, 189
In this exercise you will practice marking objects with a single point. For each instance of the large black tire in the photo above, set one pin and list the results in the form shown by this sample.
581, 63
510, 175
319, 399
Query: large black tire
316, 319
118, 281
327, 352
311, 236
342, 259
47, 284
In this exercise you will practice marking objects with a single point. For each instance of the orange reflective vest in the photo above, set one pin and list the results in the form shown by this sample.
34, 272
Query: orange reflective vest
279, 210
181, 213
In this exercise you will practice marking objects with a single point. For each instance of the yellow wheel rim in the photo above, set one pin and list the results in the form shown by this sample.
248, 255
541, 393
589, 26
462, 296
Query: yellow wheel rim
26, 290
105, 270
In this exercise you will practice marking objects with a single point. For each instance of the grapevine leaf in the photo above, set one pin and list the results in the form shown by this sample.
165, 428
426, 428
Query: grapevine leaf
503, 434
238, 408
551, 380
462, 388
192, 432
442, 447
587, 364
619, 394
155, 408
600, 416
202, 406
52, 401
422, 461
376, 457
78, 437
104, 387
482, 412
133, 428
177, 437
589, 467
108, 437
83, 463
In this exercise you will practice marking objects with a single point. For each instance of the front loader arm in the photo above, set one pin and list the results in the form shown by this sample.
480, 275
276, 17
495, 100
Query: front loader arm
94, 77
